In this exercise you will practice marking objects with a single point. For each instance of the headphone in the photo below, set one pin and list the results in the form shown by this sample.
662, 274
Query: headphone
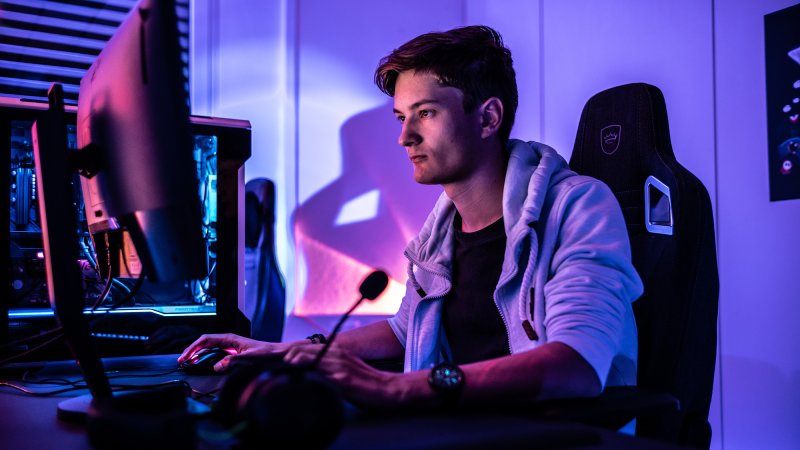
280, 406
269, 402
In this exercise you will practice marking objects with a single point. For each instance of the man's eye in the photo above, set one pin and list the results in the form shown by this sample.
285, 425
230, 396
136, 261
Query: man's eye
425, 113
401, 118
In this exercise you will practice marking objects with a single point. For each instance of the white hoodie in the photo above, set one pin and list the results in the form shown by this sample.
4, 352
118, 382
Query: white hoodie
567, 270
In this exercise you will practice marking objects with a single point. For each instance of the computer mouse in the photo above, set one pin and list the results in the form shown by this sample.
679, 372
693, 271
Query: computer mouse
202, 362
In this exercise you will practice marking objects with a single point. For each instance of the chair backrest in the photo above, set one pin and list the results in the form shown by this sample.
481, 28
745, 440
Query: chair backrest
265, 290
623, 139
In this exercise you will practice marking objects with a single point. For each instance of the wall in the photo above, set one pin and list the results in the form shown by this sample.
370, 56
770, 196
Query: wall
759, 245
347, 203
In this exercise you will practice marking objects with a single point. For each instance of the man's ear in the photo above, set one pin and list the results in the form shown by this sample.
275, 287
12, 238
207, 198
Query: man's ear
491, 116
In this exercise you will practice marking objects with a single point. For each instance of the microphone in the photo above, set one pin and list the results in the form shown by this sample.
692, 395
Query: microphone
372, 286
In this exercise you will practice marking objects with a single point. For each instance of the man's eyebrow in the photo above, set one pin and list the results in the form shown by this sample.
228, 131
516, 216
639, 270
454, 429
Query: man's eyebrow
418, 104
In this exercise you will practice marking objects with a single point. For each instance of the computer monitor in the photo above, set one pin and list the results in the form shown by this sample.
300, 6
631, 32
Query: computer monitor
133, 126
136, 151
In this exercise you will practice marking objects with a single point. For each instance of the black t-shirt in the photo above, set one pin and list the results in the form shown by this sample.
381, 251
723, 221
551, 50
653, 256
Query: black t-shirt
470, 317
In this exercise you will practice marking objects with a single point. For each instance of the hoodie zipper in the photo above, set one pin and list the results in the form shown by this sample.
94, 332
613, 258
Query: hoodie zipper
512, 274
505, 323
414, 333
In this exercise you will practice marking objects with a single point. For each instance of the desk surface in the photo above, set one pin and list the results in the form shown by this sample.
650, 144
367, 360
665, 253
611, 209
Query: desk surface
31, 422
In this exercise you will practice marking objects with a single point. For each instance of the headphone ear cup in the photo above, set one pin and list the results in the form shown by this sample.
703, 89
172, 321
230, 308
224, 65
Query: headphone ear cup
226, 406
296, 408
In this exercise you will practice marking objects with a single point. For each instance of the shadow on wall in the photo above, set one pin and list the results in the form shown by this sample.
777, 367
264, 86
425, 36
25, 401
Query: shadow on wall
362, 220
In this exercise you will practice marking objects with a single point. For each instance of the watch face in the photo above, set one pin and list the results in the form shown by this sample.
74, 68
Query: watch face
446, 377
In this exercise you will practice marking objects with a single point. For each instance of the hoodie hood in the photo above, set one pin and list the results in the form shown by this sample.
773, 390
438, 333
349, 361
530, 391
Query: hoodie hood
532, 168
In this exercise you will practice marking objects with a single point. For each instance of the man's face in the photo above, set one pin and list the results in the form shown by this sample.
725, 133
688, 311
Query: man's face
438, 135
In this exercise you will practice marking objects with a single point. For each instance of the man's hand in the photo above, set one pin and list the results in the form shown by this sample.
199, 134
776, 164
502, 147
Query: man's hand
235, 345
375, 341
360, 383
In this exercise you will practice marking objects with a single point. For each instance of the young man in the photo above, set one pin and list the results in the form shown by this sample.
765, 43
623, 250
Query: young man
520, 282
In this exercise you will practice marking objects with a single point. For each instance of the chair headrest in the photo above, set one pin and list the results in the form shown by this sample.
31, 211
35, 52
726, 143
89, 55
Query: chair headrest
259, 210
623, 137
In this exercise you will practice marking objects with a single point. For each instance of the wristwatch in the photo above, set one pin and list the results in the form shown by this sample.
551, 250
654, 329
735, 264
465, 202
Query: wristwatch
447, 379
317, 338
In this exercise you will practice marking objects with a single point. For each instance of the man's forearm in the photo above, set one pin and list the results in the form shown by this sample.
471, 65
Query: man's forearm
551, 371
554, 370
374, 341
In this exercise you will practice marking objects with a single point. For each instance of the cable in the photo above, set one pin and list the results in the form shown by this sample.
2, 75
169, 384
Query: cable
128, 387
81, 384
41, 394
210, 394
114, 387
31, 338
88, 254
109, 374
120, 284
31, 350
131, 294
106, 289
55, 381
102, 298
142, 375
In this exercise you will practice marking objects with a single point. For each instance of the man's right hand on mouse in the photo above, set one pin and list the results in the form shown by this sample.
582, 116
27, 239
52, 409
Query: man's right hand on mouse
235, 345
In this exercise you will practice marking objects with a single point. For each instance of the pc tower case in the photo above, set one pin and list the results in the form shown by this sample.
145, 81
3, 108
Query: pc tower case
159, 318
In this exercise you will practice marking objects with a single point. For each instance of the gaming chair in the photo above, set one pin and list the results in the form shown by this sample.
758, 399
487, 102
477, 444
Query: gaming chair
265, 291
623, 139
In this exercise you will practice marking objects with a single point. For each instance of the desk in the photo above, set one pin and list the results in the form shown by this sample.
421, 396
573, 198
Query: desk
28, 422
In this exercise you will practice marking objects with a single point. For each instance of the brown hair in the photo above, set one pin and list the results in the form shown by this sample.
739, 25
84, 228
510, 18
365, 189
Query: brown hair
472, 59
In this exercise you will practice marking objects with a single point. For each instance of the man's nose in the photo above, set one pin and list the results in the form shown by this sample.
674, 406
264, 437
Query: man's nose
408, 135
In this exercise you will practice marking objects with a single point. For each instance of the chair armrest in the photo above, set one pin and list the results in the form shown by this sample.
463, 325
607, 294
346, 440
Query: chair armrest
614, 408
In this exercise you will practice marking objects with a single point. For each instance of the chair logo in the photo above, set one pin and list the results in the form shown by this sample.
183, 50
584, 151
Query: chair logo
609, 138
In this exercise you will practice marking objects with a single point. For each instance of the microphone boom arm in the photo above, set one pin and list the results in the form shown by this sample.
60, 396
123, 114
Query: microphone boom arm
372, 286
335, 331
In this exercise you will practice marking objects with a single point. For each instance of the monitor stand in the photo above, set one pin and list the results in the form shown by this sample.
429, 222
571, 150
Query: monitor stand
159, 416
76, 409
59, 236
